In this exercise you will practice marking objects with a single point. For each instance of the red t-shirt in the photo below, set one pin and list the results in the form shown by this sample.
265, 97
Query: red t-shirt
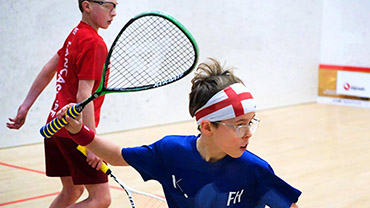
82, 57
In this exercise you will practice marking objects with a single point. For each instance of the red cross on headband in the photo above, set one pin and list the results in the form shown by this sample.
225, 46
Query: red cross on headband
233, 101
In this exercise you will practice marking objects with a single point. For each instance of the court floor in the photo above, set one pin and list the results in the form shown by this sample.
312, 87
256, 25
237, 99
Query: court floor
323, 150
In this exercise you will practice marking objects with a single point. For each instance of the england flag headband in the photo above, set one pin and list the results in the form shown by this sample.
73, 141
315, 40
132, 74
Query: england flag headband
233, 101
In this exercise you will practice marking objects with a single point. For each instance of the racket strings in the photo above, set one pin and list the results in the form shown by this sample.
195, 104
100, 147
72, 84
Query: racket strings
150, 51
141, 199
148, 201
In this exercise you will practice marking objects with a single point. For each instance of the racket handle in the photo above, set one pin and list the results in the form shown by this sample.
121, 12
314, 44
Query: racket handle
104, 167
49, 129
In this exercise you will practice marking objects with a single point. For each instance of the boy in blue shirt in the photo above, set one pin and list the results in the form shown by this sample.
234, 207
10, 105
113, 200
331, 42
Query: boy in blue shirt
213, 169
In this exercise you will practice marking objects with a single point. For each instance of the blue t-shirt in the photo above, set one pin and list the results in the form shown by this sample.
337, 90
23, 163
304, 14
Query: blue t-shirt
191, 182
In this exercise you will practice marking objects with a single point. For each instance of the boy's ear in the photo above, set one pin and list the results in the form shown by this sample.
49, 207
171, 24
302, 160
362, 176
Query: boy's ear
206, 127
86, 6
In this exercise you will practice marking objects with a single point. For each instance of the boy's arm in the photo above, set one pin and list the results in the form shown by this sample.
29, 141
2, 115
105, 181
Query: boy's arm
85, 89
42, 80
106, 150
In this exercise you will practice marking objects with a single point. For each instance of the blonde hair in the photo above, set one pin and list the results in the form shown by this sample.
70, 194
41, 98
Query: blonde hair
209, 79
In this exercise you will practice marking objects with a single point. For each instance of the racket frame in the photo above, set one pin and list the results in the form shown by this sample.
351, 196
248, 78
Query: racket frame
105, 90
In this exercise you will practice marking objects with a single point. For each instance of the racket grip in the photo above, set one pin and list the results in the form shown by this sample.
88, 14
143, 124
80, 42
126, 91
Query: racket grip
104, 167
49, 129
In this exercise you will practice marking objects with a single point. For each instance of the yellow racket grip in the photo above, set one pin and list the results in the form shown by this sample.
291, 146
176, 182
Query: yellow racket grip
104, 167
49, 129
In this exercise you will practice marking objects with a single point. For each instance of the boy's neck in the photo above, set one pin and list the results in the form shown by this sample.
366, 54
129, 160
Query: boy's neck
207, 151
88, 21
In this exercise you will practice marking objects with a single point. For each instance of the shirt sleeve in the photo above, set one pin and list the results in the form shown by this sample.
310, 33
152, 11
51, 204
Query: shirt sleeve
59, 52
144, 159
91, 59
275, 192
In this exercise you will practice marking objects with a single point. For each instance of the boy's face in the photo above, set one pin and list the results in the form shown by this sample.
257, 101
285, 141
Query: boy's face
228, 139
102, 13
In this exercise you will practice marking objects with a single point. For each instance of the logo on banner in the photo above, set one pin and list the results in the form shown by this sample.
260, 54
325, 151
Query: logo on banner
353, 84
348, 87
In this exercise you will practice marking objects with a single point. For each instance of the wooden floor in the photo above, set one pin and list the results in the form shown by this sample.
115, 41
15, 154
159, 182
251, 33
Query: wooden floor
323, 150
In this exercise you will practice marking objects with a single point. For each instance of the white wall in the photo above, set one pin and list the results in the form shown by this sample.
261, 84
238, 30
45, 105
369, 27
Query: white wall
346, 33
274, 44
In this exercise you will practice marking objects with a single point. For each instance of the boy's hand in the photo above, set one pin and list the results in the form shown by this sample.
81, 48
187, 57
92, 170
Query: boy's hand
74, 125
18, 121
93, 160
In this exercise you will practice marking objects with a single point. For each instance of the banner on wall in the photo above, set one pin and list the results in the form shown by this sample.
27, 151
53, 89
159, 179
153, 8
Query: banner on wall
353, 83
344, 85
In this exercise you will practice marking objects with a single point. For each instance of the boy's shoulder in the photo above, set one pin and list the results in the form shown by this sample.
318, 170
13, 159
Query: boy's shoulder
177, 140
175, 144
84, 32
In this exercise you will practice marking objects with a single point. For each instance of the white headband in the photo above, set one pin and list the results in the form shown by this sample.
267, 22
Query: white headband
233, 101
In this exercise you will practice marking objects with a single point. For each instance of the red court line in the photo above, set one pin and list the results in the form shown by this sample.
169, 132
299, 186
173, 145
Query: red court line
41, 172
22, 168
28, 199
35, 197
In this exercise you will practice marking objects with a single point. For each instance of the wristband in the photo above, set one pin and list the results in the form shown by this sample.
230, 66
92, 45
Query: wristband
84, 137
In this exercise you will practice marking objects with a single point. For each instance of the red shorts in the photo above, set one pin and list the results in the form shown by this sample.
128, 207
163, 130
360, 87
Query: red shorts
63, 159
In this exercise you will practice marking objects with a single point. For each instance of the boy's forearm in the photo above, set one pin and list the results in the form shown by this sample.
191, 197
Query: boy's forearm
84, 91
84, 136
41, 81
108, 151
88, 116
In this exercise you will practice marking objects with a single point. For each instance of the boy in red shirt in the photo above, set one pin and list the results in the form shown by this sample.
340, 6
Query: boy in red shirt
78, 67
